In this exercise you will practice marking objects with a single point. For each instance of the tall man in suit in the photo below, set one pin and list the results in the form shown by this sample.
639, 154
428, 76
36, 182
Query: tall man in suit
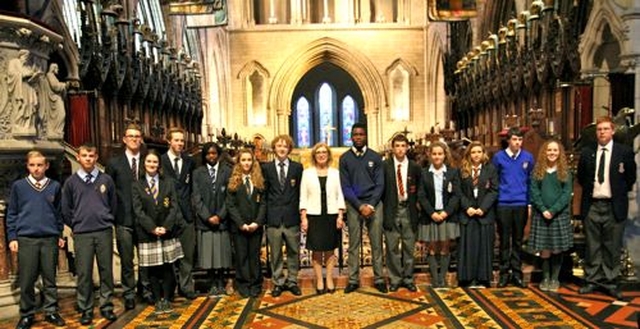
126, 169
180, 167
362, 181
282, 182
402, 177
606, 175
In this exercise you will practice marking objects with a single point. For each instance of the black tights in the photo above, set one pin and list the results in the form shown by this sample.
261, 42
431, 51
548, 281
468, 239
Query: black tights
163, 280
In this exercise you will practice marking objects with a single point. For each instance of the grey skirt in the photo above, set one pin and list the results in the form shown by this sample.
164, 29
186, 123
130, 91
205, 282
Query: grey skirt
443, 231
214, 249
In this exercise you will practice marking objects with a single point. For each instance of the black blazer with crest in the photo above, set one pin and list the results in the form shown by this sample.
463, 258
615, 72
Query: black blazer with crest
182, 183
245, 209
487, 195
207, 201
282, 204
120, 170
390, 196
150, 215
450, 194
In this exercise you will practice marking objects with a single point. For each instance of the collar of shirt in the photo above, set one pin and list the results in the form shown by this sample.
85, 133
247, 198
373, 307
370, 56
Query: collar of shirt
511, 154
214, 167
440, 171
404, 162
479, 167
286, 163
355, 150
173, 156
130, 156
42, 182
244, 177
150, 178
607, 146
94, 173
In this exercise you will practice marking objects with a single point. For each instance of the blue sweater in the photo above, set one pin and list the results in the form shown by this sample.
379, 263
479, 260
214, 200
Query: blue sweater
89, 207
514, 177
362, 179
32, 212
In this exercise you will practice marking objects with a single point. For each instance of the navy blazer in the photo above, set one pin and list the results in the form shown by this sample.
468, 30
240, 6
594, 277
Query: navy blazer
622, 176
120, 170
450, 194
183, 183
245, 209
207, 201
282, 204
150, 215
390, 196
488, 182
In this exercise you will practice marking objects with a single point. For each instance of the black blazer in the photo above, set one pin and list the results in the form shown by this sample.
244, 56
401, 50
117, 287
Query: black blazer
244, 209
487, 195
450, 194
207, 201
120, 170
183, 183
282, 204
390, 196
150, 215
622, 176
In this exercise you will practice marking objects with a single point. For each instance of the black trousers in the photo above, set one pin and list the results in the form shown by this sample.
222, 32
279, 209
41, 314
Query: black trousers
185, 264
99, 245
511, 223
247, 257
603, 237
37, 256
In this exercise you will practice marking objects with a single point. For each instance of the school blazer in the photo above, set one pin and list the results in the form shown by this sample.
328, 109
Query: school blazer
311, 196
450, 194
488, 182
622, 176
182, 183
207, 202
390, 196
244, 209
150, 215
282, 204
120, 170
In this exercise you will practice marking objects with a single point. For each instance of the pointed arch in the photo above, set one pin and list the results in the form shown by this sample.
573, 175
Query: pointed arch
601, 15
255, 86
400, 77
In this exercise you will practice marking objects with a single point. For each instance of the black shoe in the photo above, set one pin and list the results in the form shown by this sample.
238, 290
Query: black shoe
86, 318
25, 323
588, 288
276, 291
294, 289
411, 287
351, 287
504, 280
55, 319
394, 287
109, 315
614, 292
129, 303
320, 291
149, 300
518, 282
190, 295
381, 286
255, 292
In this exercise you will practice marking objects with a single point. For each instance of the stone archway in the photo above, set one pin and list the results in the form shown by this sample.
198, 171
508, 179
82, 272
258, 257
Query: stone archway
342, 55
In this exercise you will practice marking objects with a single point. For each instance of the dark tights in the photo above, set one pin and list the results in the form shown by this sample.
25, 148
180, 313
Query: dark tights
163, 280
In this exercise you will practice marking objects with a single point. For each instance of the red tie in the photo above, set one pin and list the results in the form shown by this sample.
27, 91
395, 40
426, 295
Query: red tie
400, 185
476, 172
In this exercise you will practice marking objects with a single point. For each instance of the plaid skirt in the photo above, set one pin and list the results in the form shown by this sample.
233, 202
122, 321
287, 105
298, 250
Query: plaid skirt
159, 252
554, 235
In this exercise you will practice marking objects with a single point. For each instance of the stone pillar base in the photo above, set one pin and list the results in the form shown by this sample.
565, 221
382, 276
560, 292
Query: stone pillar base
9, 300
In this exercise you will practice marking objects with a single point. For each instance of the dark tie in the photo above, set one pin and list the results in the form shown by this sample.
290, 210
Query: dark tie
474, 177
400, 185
87, 179
154, 189
359, 154
283, 176
601, 166
134, 168
247, 186
176, 168
513, 157
38, 185
212, 174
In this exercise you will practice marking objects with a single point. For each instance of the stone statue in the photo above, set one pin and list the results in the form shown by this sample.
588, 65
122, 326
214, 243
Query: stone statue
54, 112
22, 96
625, 132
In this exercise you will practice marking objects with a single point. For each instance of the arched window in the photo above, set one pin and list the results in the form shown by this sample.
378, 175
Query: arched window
349, 115
326, 110
303, 118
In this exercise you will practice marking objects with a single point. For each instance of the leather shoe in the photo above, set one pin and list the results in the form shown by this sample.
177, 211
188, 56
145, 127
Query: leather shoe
294, 290
411, 287
109, 315
25, 323
504, 280
55, 319
190, 295
588, 288
86, 318
518, 282
351, 287
149, 300
382, 287
394, 287
614, 292
277, 291
129, 303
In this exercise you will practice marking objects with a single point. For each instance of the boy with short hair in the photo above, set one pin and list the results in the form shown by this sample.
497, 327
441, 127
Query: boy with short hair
34, 231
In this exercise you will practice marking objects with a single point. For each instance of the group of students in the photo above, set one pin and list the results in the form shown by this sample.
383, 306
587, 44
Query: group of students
172, 212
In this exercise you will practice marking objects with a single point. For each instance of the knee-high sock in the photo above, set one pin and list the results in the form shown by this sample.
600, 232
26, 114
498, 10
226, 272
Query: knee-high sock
546, 268
433, 269
556, 265
444, 267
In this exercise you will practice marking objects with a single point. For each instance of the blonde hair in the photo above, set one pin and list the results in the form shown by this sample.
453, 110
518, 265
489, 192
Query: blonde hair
285, 138
541, 166
174, 130
235, 181
36, 154
465, 168
314, 150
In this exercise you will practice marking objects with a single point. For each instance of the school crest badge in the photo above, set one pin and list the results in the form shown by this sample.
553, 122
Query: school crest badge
103, 189
621, 168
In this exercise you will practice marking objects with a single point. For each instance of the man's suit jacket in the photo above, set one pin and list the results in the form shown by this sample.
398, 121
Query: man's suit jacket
622, 176
208, 201
488, 182
183, 183
450, 194
282, 204
245, 209
150, 215
120, 170
390, 196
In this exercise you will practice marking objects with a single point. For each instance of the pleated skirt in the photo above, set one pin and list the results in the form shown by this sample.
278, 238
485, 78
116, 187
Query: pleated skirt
214, 249
555, 234
475, 251
443, 231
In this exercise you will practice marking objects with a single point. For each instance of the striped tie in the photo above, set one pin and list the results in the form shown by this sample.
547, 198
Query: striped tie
400, 185
154, 189
212, 174
476, 173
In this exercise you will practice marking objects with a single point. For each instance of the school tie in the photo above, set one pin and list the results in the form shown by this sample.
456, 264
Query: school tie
400, 185
513, 157
134, 168
87, 179
176, 167
247, 186
212, 174
38, 185
601, 166
474, 177
283, 176
154, 189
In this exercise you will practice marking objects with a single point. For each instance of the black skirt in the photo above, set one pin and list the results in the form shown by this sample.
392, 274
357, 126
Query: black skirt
476, 251
322, 234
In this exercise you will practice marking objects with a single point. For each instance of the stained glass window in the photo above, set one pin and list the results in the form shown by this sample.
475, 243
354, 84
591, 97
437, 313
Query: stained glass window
326, 112
349, 117
303, 118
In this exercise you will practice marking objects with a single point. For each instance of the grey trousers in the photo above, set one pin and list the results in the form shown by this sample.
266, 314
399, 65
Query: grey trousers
125, 245
87, 246
291, 238
37, 256
374, 228
185, 264
401, 241
603, 237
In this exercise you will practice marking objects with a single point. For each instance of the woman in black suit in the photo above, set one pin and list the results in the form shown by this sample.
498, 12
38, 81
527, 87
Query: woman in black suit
479, 192
158, 222
247, 210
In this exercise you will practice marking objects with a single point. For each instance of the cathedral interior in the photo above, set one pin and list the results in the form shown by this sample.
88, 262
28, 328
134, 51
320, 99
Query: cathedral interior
240, 72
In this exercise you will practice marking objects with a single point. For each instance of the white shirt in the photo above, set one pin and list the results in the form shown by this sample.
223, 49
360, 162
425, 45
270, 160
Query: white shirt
286, 167
172, 157
603, 191
438, 185
42, 182
511, 154
130, 156
209, 167
244, 179
404, 169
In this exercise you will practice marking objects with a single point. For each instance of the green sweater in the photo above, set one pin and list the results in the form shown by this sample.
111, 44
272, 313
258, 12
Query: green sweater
551, 194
